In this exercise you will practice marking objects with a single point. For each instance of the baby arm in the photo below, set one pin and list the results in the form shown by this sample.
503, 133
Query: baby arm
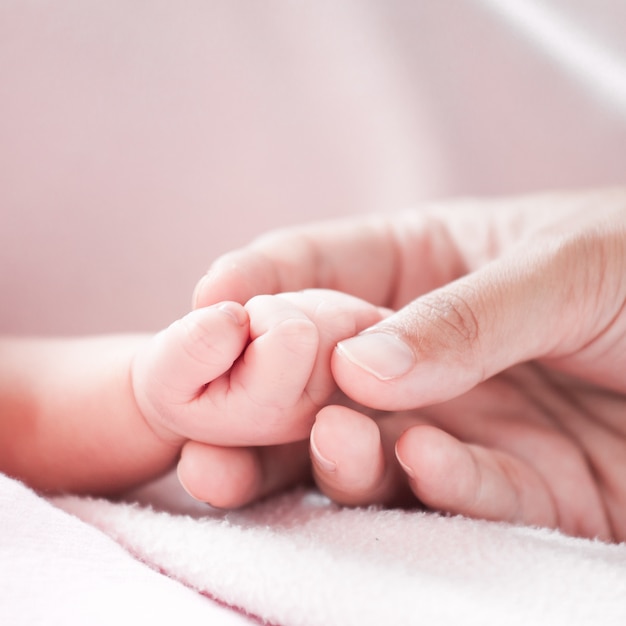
69, 419
102, 414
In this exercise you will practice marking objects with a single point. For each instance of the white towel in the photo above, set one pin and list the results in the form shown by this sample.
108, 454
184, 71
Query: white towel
57, 570
298, 559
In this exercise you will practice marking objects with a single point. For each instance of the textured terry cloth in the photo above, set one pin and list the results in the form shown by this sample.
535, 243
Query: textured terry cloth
57, 570
298, 559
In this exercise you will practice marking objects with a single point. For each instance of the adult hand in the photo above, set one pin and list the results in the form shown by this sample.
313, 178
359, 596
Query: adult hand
504, 361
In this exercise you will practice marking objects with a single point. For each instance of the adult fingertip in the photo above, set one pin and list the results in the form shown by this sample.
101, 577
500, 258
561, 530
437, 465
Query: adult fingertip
319, 459
438, 346
404, 464
379, 369
347, 456
382, 354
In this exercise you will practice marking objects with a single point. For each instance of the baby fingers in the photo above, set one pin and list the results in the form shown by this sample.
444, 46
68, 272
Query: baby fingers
172, 371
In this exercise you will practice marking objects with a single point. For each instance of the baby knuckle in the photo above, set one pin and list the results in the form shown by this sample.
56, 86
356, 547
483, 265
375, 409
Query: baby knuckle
197, 340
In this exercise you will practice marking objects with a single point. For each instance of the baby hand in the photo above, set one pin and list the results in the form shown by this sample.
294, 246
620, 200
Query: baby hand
255, 375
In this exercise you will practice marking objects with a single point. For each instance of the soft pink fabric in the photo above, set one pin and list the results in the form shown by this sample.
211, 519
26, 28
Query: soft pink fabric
55, 569
298, 560
295, 559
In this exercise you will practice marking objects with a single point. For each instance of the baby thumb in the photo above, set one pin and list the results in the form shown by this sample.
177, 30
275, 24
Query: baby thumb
447, 341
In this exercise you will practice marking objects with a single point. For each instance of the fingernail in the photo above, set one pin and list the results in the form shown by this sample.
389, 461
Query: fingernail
234, 310
407, 469
326, 464
384, 355
182, 484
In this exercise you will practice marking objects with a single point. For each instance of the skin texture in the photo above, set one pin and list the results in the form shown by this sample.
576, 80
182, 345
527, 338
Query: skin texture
101, 414
497, 390
69, 420
225, 389
512, 312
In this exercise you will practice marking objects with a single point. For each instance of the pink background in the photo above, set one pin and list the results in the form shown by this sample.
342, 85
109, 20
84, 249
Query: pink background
139, 139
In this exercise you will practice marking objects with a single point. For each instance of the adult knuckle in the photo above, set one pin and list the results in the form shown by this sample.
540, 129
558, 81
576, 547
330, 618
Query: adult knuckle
454, 315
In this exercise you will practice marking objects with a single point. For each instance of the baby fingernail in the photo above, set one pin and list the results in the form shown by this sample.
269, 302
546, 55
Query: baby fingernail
234, 310
384, 355
326, 464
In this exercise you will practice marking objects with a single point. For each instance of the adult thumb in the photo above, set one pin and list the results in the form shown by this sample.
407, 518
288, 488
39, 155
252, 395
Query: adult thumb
534, 303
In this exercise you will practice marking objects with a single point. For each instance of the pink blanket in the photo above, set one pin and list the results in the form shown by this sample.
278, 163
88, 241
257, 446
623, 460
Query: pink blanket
295, 559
